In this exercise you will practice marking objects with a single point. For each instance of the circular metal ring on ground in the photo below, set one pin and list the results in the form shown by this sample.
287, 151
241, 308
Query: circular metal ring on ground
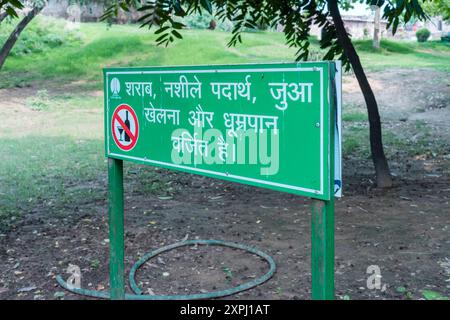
207, 295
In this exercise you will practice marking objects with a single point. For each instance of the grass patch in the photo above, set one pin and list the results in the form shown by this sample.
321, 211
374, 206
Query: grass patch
414, 139
354, 116
98, 46
54, 175
127, 45
58, 158
404, 54
40, 101
386, 47
50, 171
41, 35
355, 140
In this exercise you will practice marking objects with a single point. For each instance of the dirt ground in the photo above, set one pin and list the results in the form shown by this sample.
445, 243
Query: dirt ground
404, 230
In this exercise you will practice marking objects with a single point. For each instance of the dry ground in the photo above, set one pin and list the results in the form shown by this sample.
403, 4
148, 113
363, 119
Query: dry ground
403, 230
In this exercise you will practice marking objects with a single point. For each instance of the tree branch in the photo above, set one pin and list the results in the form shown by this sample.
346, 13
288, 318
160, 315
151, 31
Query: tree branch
3, 15
12, 39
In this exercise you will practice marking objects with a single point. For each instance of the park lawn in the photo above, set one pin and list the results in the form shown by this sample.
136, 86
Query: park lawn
51, 150
395, 54
128, 45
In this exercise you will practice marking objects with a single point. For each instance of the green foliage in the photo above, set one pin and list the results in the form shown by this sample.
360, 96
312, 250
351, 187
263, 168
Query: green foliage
71, 121
437, 8
42, 34
101, 45
354, 116
356, 139
39, 102
296, 17
422, 143
95, 264
202, 21
401, 289
423, 34
433, 295
228, 273
30, 173
387, 46
366, 33
126, 45
197, 21
405, 292
11, 7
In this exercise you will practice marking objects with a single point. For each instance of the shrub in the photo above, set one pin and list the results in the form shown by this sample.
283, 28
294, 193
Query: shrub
42, 34
387, 46
38, 102
423, 34
202, 21
366, 32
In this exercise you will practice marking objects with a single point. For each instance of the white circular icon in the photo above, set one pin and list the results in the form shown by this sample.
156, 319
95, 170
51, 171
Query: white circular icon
115, 86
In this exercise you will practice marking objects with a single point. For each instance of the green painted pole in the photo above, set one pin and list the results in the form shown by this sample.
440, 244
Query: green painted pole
322, 249
116, 238
322, 220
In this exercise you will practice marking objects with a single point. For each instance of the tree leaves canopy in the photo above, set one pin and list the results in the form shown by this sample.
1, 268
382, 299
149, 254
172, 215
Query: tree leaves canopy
438, 8
11, 7
296, 17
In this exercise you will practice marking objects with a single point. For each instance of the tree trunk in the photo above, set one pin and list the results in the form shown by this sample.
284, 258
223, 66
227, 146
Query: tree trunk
11, 41
384, 179
3, 15
376, 28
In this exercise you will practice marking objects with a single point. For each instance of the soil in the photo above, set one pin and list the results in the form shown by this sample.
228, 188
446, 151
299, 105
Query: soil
403, 230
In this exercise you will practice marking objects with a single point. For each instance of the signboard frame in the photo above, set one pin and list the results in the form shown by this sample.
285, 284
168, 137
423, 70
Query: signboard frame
323, 68
322, 220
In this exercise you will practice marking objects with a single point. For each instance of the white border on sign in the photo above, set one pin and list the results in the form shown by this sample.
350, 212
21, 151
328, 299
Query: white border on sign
338, 132
193, 169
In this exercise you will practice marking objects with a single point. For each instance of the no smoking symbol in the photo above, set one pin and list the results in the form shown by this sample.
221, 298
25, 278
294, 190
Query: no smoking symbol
125, 127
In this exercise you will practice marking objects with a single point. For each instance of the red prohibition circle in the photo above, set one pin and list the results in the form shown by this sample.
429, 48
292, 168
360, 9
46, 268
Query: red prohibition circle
134, 137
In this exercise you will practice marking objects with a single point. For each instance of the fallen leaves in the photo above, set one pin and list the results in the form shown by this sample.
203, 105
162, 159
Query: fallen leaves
27, 289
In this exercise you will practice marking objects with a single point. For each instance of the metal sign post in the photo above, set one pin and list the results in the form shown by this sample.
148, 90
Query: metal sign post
116, 229
266, 125
322, 250
322, 213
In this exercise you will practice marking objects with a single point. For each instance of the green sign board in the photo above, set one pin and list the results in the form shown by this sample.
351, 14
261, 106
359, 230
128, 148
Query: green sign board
267, 125
275, 126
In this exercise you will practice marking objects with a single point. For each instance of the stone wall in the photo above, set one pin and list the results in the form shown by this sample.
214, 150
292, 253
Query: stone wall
359, 27
90, 12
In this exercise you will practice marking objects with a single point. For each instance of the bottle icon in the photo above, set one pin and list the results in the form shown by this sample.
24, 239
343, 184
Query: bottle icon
127, 124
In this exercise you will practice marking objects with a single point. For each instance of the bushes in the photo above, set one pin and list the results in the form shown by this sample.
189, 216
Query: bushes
202, 21
387, 46
423, 34
41, 34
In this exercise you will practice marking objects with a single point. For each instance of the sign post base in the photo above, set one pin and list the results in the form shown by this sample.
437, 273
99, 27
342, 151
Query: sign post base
322, 249
116, 229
